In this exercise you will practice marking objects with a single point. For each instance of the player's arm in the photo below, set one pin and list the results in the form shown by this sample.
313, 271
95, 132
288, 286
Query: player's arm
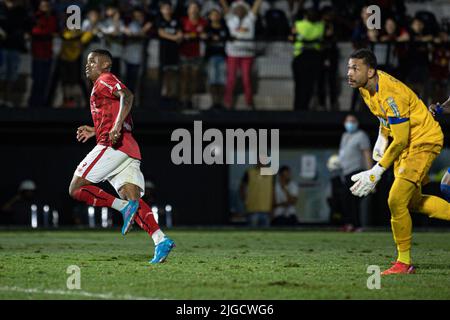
400, 128
172, 37
381, 144
225, 6
438, 109
84, 133
256, 6
126, 101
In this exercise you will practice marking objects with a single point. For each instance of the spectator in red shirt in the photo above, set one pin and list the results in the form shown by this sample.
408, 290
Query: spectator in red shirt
190, 57
42, 33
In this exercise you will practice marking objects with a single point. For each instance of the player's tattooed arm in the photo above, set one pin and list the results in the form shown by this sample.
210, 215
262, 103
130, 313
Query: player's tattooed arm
126, 101
84, 133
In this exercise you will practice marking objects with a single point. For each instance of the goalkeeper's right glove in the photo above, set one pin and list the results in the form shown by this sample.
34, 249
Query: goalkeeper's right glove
380, 146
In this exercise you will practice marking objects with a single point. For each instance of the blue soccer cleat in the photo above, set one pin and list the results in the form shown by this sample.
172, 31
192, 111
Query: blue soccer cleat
162, 250
128, 214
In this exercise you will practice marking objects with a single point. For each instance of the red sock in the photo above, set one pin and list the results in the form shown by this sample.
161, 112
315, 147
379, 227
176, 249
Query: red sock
93, 196
145, 218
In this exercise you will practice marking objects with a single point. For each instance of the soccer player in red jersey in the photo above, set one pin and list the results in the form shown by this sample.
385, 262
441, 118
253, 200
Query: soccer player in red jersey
116, 157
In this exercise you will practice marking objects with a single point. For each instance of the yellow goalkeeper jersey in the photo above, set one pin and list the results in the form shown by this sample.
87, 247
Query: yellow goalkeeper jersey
395, 103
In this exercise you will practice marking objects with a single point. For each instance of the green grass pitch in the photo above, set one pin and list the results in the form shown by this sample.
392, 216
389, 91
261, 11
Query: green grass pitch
219, 264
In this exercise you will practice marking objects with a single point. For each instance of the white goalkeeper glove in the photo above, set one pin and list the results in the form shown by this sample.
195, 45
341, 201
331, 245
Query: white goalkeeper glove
366, 181
380, 147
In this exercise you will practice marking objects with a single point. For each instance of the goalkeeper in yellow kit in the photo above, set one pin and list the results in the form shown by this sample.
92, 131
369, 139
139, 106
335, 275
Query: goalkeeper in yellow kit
417, 139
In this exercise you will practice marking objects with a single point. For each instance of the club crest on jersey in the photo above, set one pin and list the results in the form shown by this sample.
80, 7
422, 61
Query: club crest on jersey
393, 106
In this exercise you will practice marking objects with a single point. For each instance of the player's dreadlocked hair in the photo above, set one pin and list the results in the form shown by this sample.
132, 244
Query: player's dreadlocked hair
103, 53
367, 56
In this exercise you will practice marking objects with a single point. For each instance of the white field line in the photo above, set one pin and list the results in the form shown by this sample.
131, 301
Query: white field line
75, 293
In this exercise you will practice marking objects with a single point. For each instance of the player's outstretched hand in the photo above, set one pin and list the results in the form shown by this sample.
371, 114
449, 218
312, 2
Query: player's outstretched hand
84, 133
114, 134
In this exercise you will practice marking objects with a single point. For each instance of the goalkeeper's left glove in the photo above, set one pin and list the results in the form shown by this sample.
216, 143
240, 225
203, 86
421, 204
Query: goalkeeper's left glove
366, 181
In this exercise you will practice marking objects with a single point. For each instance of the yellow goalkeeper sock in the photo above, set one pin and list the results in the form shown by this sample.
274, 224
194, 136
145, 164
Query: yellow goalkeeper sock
404, 257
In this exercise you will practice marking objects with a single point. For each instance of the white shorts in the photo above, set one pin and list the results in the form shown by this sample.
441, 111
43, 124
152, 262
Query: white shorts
118, 168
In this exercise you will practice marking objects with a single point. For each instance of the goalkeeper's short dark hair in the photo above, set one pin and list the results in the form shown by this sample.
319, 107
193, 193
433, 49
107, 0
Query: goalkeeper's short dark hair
367, 56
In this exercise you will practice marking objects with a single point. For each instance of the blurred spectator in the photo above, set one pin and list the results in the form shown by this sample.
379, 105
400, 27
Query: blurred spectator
308, 33
354, 156
338, 190
276, 22
440, 67
44, 29
327, 84
360, 37
286, 196
240, 19
18, 208
215, 36
68, 70
392, 48
170, 35
418, 60
135, 33
192, 26
112, 28
92, 24
14, 25
257, 192
150, 193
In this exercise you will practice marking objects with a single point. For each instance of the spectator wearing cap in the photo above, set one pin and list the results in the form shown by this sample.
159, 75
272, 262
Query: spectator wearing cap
241, 20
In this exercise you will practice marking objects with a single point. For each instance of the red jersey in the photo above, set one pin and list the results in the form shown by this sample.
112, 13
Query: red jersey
191, 48
104, 109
